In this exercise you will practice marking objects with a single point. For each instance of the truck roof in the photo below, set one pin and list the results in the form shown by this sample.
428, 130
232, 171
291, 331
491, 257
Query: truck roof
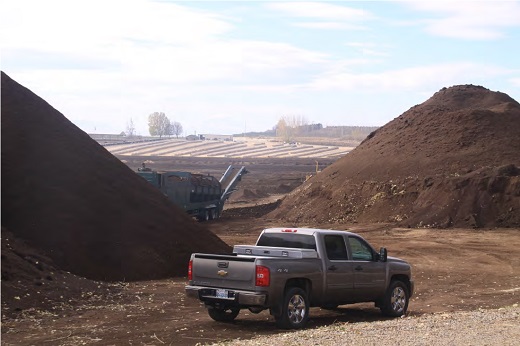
303, 230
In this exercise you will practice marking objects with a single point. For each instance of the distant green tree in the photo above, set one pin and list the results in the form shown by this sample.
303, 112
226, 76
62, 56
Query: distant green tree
158, 124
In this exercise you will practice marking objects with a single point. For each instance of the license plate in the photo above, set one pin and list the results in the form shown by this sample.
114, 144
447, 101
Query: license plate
221, 293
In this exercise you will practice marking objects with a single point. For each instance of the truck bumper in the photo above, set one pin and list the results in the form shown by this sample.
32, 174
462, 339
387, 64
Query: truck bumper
234, 297
412, 288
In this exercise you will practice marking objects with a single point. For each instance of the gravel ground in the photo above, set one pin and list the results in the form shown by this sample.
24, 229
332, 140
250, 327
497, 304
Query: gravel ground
481, 327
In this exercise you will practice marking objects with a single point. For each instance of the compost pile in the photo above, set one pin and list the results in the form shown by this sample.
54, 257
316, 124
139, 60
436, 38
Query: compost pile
452, 161
73, 210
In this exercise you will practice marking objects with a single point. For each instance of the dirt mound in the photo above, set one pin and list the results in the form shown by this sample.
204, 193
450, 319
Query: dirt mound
284, 188
69, 198
32, 280
248, 195
256, 211
438, 165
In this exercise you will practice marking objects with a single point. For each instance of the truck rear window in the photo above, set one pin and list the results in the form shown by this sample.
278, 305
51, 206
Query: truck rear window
290, 240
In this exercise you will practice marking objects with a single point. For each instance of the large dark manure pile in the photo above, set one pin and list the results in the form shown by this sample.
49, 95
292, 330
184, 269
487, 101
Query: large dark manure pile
452, 161
78, 208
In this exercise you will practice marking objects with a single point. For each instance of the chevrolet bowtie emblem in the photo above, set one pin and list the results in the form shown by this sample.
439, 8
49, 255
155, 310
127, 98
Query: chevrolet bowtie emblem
222, 273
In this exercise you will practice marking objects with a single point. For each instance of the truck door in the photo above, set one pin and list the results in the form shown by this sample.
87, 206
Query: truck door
369, 273
339, 271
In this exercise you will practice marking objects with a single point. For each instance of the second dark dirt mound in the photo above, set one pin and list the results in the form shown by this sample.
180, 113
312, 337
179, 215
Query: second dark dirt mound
31, 280
451, 161
71, 200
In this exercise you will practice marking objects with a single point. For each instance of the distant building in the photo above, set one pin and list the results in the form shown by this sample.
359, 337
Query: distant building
212, 137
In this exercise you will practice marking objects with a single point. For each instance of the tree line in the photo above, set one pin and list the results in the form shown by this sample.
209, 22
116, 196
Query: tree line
290, 127
158, 125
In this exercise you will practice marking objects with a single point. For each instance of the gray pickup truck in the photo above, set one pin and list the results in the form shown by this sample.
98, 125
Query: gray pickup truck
290, 270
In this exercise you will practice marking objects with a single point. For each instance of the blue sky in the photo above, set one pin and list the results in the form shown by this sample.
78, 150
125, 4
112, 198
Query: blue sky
235, 66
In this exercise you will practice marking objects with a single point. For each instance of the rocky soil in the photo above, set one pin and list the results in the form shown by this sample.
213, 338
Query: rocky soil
481, 327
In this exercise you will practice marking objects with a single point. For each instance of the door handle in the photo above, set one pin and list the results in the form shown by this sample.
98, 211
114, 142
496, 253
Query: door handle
358, 268
333, 268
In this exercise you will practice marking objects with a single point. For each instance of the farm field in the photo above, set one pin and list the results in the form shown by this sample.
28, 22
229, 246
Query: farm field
240, 147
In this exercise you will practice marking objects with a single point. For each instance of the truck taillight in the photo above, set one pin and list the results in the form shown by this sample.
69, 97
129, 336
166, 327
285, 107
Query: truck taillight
263, 276
190, 270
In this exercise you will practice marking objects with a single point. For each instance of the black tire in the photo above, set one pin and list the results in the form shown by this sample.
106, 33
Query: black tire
223, 315
396, 299
294, 311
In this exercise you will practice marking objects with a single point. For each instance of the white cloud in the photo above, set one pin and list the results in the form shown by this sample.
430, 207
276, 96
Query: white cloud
326, 16
412, 78
258, 54
368, 48
321, 10
103, 29
146, 42
56, 25
329, 25
515, 82
233, 61
70, 82
478, 20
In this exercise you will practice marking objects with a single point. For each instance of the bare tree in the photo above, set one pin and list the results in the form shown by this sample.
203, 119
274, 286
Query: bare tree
176, 129
130, 128
290, 126
168, 128
282, 130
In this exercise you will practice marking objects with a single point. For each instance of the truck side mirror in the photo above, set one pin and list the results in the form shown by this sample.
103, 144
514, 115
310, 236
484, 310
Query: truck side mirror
383, 254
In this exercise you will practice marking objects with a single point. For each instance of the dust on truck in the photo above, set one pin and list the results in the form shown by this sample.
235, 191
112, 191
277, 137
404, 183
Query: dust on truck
200, 195
290, 270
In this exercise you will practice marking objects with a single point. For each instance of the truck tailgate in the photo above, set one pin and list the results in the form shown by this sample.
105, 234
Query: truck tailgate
236, 272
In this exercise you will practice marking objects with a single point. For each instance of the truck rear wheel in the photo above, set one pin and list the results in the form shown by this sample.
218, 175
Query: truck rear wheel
396, 299
294, 311
223, 315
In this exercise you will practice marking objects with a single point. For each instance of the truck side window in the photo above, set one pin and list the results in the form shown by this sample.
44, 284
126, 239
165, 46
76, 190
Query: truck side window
335, 246
360, 250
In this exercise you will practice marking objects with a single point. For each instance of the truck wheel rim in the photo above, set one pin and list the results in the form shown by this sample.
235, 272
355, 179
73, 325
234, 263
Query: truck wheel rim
398, 299
296, 309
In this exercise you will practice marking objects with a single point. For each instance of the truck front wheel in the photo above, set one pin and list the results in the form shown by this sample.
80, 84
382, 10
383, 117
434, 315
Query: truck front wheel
396, 299
223, 315
294, 311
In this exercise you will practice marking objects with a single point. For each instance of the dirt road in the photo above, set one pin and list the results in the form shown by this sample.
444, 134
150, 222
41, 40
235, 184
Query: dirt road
454, 270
